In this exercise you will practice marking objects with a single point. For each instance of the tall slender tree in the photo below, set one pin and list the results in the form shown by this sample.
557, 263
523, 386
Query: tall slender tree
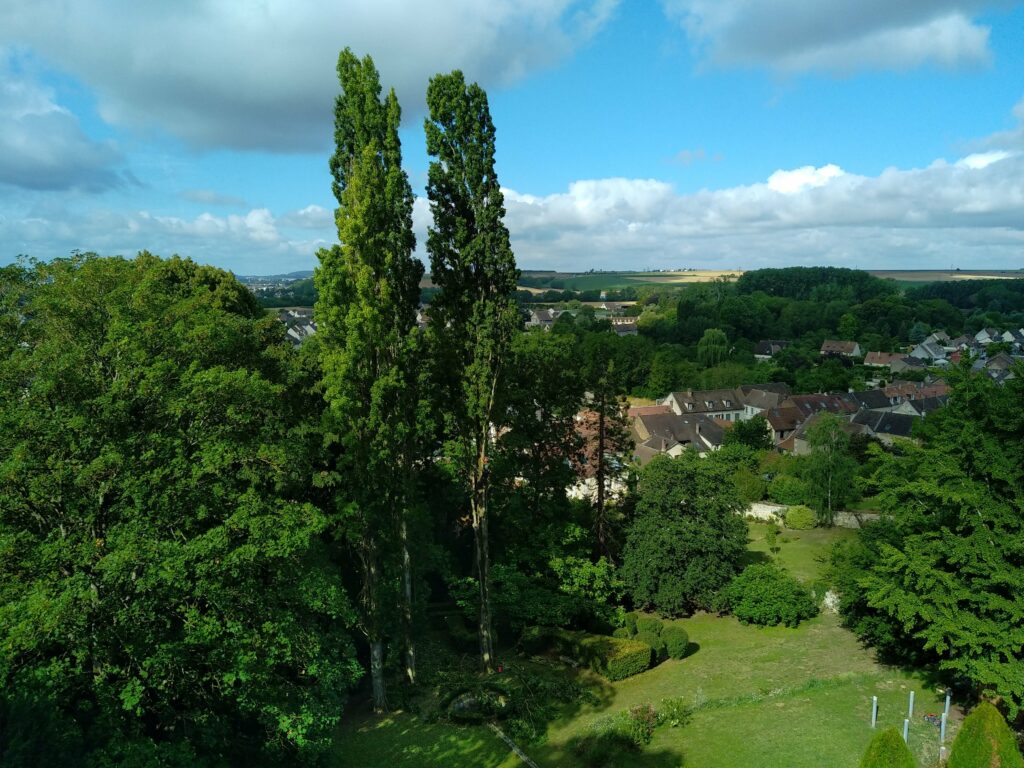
366, 314
474, 315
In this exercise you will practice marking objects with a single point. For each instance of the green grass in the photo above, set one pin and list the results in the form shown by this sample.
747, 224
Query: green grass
405, 740
765, 697
802, 553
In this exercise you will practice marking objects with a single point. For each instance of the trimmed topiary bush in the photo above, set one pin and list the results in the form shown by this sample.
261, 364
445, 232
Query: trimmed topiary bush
621, 632
649, 624
800, 518
615, 658
888, 750
676, 641
985, 741
630, 622
765, 594
656, 643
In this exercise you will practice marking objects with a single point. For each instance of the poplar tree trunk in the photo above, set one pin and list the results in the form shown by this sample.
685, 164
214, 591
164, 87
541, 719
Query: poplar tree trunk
483, 559
410, 646
373, 633
599, 518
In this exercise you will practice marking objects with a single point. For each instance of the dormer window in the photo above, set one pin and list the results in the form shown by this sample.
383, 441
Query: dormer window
709, 404
689, 406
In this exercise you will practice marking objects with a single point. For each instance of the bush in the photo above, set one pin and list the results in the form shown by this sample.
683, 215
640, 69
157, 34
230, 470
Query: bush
640, 723
800, 518
630, 622
621, 632
614, 658
649, 624
655, 642
888, 750
676, 641
765, 594
674, 712
985, 741
786, 489
750, 486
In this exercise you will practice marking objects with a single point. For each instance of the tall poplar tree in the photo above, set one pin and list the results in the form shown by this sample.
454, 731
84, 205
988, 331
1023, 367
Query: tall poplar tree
474, 315
366, 314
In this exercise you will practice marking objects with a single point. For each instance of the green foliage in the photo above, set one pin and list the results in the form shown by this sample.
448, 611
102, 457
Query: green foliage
800, 518
603, 746
674, 712
649, 624
888, 750
655, 642
612, 657
950, 574
766, 595
712, 348
787, 489
829, 469
630, 620
168, 591
687, 539
621, 632
754, 433
749, 486
676, 640
985, 741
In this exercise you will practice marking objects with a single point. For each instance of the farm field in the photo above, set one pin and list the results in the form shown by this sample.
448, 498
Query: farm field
945, 275
767, 697
610, 280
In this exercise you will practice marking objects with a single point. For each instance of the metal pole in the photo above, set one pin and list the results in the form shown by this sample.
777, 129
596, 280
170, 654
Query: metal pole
942, 729
906, 730
910, 707
874, 710
946, 711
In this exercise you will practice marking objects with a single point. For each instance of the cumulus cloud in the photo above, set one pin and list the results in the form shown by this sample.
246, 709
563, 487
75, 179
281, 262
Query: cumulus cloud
970, 211
262, 75
834, 35
42, 145
310, 217
254, 242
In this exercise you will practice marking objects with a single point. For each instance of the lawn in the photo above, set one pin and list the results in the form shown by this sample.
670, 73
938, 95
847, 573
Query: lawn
766, 697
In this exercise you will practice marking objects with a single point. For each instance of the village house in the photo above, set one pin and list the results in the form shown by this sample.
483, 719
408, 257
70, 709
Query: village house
768, 348
834, 348
881, 359
654, 434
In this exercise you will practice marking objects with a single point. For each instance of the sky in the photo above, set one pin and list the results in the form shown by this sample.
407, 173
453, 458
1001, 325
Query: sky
631, 134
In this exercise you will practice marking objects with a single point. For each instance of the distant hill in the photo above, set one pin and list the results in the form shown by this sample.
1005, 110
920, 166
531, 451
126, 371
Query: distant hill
300, 275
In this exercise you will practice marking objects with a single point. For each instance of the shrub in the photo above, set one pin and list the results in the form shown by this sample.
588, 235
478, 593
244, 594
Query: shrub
614, 658
786, 489
750, 486
630, 622
621, 632
676, 641
800, 518
888, 750
655, 642
674, 712
649, 624
640, 723
985, 741
765, 594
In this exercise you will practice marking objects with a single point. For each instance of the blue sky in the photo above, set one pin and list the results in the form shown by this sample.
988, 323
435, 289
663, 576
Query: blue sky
631, 133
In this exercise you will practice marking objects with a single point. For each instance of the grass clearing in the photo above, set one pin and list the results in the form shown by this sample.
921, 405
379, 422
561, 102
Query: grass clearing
767, 697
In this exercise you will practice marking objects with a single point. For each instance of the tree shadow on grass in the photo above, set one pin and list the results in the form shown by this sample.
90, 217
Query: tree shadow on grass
604, 755
753, 557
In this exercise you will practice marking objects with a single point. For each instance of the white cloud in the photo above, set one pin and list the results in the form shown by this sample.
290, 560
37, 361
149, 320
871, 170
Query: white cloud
836, 35
262, 75
969, 212
310, 217
791, 182
42, 145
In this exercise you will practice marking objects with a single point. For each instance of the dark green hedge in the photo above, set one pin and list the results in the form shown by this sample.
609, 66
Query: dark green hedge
887, 750
614, 658
676, 640
985, 741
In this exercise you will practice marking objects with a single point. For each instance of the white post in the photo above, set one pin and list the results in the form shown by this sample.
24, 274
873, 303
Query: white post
910, 707
874, 710
943, 754
947, 703
906, 730
942, 729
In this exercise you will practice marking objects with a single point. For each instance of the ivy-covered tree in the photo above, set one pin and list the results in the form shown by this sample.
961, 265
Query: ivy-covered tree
167, 596
474, 316
829, 469
368, 292
688, 537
